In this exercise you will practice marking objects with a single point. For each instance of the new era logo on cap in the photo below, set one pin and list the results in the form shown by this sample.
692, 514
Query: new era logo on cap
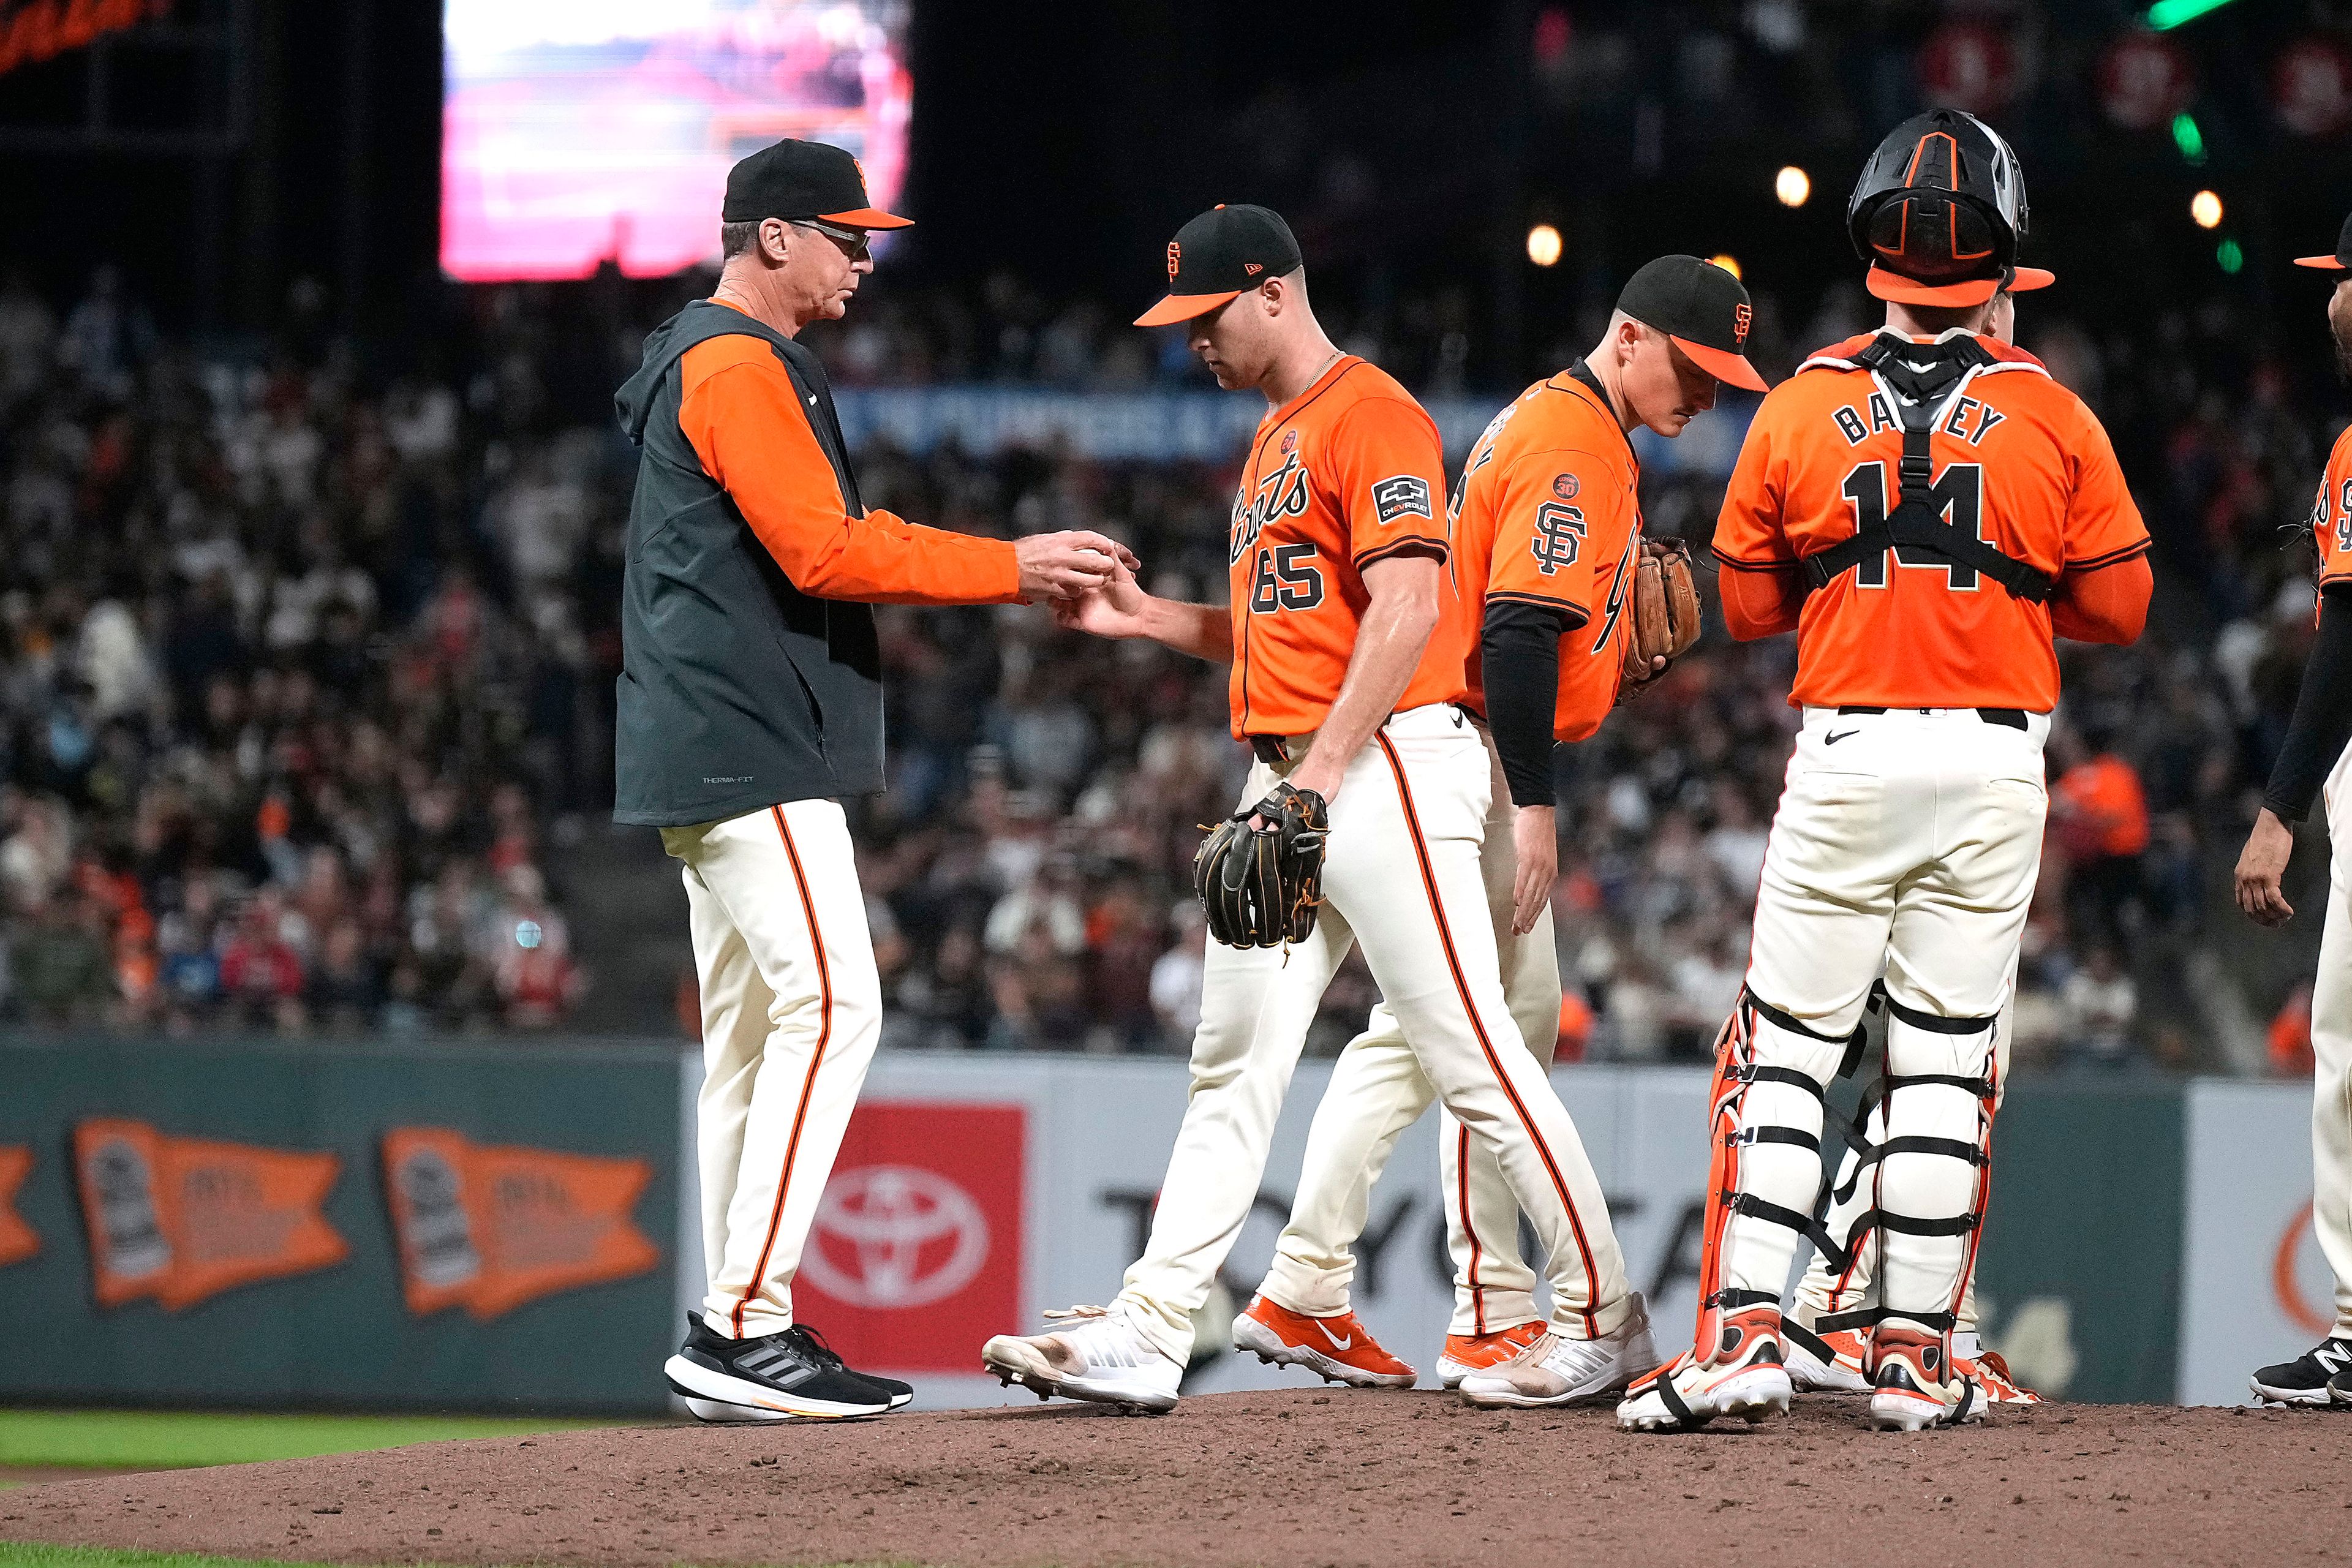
1216, 255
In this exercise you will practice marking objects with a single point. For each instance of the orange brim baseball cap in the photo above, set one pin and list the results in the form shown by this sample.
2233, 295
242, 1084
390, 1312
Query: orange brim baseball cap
1217, 255
867, 217
1901, 290
2023, 279
2340, 262
1184, 307
1702, 309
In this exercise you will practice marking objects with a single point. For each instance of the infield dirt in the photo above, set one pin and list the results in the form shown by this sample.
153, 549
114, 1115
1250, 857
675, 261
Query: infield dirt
1296, 1478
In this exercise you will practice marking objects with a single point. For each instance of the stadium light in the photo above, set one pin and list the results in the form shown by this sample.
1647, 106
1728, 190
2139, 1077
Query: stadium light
2229, 256
2189, 138
2167, 13
1792, 185
2205, 210
1543, 245
1729, 263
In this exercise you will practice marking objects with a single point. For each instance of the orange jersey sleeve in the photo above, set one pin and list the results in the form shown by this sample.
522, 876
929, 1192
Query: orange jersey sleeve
741, 413
1349, 473
1548, 515
2331, 514
2016, 456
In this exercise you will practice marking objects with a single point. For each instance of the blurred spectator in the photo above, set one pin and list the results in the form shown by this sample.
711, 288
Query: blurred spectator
2100, 815
2101, 1003
2290, 1035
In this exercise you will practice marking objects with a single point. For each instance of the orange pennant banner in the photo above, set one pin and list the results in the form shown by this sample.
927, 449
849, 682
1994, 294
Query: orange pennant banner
18, 1241
489, 1229
182, 1219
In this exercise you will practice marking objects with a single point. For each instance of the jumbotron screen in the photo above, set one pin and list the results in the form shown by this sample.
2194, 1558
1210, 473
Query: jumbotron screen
575, 131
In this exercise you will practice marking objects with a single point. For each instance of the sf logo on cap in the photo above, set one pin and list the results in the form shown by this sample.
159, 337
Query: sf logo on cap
1740, 316
1175, 255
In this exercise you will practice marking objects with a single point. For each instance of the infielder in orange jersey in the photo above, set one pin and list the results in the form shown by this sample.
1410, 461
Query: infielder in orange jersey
1547, 523
1827, 1326
1926, 508
1348, 678
2312, 763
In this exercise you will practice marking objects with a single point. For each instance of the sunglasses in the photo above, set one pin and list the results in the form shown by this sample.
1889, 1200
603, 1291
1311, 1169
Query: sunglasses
854, 242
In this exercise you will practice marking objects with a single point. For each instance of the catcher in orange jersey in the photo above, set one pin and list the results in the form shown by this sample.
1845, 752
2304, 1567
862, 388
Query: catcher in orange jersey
1926, 508
1827, 1326
1546, 526
1348, 680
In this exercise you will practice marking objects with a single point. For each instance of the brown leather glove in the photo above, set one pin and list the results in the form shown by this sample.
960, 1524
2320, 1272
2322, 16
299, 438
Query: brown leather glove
1665, 618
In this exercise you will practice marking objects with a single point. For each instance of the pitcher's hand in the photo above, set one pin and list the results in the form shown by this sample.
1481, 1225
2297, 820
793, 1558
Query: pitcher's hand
1115, 609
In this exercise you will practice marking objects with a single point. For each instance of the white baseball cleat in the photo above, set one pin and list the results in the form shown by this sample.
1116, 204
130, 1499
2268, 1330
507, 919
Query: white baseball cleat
1101, 1359
1909, 1392
1751, 1383
1556, 1370
1825, 1364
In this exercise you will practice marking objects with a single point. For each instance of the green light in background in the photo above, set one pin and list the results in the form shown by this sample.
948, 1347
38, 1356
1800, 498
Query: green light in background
2172, 13
2188, 138
2230, 256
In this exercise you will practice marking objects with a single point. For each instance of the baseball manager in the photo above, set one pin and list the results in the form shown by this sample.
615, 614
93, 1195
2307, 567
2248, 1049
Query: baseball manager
750, 704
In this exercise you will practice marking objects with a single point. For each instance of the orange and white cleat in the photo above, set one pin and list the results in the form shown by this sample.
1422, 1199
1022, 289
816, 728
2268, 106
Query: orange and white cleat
1335, 1349
1826, 1363
1466, 1354
1912, 1388
1750, 1381
1992, 1375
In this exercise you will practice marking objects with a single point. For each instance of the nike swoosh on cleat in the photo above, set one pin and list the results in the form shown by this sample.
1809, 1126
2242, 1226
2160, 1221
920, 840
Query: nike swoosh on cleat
1337, 1342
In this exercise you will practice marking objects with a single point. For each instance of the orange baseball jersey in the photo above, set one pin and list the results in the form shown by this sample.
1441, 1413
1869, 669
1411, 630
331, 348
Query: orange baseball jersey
2017, 457
2331, 515
1547, 513
1347, 472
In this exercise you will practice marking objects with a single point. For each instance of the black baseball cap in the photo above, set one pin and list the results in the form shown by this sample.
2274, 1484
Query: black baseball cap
1702, 307
803, 180
1216, 255
2342, 260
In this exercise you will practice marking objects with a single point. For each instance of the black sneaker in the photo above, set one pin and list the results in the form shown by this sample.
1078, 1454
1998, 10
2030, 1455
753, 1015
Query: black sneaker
773, 1378
2306, 1379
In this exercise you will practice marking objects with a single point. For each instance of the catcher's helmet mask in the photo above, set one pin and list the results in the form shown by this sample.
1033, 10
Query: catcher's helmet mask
1939, 211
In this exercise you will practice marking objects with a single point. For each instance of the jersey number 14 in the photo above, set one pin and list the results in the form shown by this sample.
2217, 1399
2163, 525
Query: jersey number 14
1957, 495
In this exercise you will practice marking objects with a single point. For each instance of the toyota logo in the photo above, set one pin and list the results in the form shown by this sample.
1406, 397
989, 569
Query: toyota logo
895, 1236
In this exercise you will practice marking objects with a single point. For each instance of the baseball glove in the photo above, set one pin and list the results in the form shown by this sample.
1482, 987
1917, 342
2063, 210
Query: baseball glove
1666, 611
1261, 886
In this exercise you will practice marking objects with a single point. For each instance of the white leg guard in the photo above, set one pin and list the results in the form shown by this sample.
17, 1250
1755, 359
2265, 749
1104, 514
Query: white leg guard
1771, 1074
1931, 1175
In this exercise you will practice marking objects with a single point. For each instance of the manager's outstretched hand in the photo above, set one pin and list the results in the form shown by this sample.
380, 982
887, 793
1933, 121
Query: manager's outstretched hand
1061, 565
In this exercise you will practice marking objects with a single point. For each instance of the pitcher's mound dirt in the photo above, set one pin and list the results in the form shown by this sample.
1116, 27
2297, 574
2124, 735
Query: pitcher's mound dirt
1297, 1478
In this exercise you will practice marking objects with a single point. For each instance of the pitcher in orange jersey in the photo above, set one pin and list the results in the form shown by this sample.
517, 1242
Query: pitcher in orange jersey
1547, 521
1926, 508
1348, 679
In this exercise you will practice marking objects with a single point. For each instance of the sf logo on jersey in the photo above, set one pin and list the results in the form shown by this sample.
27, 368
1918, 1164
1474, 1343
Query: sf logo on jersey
1558, 535
1282, 493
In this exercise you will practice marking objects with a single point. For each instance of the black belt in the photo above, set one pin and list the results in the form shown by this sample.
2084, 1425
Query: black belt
2014, 718
1270, 749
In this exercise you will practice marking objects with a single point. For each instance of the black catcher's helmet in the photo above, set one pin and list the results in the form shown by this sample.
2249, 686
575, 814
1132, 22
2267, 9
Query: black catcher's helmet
1939, 211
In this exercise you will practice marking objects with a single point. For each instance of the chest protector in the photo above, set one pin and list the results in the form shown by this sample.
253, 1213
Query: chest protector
1922, 383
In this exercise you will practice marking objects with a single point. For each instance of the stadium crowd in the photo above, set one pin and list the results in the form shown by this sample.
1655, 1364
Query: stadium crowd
305, 676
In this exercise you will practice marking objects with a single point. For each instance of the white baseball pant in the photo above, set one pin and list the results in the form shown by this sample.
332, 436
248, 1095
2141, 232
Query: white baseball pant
792, 1010
1400, 875
1378, 1091
2331, 1050
1908, 844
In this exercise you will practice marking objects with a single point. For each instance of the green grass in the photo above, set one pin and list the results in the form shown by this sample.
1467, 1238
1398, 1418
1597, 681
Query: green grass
168, 1439
22, 1556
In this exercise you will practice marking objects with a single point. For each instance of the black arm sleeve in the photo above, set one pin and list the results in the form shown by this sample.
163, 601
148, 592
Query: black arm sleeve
1519, 655
2323, 711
